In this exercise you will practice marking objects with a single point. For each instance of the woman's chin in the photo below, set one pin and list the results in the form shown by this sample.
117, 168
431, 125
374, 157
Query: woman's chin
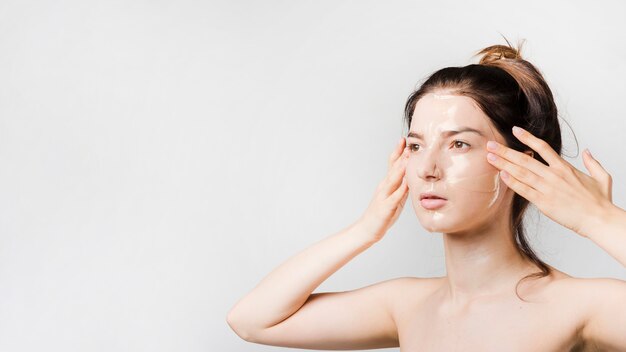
444, 221
443, 227
430, 224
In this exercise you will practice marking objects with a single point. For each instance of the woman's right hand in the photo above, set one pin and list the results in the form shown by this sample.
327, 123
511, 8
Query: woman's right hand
389, 197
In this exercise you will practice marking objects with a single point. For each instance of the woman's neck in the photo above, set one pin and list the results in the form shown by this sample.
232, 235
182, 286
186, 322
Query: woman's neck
483, 261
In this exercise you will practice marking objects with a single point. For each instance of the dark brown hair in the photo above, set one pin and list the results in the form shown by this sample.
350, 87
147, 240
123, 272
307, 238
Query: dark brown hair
511, 92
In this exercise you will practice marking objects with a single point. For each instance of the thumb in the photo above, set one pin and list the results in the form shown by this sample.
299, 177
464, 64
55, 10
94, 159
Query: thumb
595, 169
598, 172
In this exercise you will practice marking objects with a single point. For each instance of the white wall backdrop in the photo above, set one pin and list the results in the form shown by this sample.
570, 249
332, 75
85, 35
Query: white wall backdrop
159, 158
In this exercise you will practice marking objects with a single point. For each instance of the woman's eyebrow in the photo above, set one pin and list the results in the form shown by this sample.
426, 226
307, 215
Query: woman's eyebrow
447, 134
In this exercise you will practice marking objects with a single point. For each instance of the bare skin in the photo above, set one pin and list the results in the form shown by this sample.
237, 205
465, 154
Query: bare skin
552, 320
474, 307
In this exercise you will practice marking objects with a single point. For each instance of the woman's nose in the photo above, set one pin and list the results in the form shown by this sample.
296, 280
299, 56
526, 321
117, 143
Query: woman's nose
427, 167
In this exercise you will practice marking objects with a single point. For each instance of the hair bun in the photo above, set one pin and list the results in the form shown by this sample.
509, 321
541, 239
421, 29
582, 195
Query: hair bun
498, 52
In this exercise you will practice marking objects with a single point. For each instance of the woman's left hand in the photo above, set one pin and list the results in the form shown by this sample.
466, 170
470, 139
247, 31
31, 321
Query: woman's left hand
560, 191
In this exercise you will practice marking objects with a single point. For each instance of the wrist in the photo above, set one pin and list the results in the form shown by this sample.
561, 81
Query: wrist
604, 220
363, 229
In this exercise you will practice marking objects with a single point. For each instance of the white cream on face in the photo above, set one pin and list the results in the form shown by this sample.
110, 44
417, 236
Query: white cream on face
453, 165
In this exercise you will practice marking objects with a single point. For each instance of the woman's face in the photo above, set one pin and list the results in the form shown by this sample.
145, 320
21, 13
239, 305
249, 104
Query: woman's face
448, 158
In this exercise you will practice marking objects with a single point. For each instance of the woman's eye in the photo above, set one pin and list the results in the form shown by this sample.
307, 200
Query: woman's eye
460, 144
413, 147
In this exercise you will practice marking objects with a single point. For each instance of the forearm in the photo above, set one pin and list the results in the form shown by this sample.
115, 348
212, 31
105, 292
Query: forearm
609, 232
284, 290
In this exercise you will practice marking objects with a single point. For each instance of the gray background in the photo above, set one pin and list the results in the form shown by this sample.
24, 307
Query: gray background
159, 158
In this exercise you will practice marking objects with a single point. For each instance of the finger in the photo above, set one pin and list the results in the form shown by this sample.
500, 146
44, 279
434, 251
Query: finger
520, 173
522, 159
597, 172
400, 204
396, 152
400, 193
391, 173
538, 145
406, 195
595, 168
520, 188
395, 175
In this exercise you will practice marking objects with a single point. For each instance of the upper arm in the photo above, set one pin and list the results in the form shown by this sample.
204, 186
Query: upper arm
606, 318
356, 319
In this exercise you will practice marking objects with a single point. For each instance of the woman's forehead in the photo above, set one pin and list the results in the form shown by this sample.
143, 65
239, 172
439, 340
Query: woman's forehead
437, 111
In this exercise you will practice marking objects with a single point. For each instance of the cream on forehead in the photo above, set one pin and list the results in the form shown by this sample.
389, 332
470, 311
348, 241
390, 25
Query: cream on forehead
447, 111
443, 96
451, 96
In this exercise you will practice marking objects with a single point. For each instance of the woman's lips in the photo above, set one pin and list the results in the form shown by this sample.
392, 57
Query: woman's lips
433, 203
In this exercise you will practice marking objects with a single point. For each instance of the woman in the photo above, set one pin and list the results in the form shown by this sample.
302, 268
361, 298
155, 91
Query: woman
483, 141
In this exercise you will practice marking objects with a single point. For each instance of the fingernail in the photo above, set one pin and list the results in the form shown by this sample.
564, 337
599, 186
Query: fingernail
517, 130
491, 145
588, 152
504, 174
491, 157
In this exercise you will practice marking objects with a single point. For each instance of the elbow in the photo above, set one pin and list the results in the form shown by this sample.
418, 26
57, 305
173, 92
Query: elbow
238, 328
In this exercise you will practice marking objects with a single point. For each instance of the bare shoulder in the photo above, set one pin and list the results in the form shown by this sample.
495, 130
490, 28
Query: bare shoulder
590, 294
575, 294
409, 286
569, 286
406, 291
586, 295
599, 304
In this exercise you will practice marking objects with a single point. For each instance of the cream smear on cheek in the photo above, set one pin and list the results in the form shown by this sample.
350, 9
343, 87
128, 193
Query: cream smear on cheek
457, 172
